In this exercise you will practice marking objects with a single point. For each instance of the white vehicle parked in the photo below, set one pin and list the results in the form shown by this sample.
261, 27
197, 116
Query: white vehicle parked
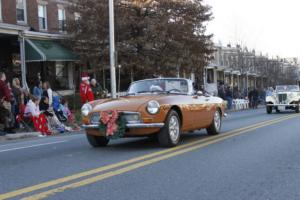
285, 97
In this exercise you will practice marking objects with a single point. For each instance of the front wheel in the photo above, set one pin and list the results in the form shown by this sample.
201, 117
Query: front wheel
215, 125
97, 141
269, 109
169, 135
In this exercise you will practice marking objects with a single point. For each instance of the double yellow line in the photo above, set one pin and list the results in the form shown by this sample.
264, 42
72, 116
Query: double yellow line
86, 178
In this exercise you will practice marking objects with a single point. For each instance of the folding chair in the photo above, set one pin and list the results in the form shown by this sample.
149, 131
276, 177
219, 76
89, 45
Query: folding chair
26, 121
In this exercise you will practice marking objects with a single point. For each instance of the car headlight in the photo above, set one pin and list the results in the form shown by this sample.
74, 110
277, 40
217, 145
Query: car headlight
153, 107
86, 109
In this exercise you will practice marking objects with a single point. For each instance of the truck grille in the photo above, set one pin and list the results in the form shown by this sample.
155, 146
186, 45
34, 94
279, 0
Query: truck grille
282, 98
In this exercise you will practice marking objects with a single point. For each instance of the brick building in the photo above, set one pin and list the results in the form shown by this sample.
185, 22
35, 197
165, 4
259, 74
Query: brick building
31, 32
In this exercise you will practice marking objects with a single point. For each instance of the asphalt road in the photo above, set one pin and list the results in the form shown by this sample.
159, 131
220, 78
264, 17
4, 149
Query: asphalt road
257, 156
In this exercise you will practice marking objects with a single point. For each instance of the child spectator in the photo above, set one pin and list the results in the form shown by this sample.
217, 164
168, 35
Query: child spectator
52, 119
68, 114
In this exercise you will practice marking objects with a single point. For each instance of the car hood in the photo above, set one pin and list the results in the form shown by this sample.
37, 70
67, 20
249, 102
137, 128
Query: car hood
128, 103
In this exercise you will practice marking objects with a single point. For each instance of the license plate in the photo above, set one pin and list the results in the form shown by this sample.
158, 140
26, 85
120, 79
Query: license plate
281, 107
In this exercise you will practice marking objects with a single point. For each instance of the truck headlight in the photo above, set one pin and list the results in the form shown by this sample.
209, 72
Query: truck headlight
153, 107
86, 109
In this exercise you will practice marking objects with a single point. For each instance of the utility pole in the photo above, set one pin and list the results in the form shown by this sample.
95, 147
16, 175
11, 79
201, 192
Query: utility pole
112, 49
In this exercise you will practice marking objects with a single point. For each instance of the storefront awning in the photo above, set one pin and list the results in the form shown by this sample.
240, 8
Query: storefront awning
47, 50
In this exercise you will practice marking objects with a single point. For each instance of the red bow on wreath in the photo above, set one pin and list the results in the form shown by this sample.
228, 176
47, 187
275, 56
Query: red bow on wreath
109, 119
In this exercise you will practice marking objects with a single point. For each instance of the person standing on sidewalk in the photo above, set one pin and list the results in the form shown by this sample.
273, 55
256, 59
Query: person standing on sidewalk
97, 89
5, 105
48, 93
86, 93
228, 94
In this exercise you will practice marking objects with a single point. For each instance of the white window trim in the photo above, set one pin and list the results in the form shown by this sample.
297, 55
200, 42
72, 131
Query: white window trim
1, 11
25, 14
60, 7
46, 18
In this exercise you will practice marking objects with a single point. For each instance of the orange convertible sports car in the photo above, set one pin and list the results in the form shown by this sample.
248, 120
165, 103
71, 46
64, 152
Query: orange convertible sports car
165, 107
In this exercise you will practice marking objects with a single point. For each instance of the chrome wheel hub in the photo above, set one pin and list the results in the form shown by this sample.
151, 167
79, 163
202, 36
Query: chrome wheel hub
217, 120
174, 128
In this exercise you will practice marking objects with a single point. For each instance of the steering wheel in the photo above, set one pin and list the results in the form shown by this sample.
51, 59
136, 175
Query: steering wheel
175, 90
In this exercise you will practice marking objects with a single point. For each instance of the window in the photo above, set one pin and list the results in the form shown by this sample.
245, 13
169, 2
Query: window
61, 19
42, 12
21, 10
0, 10
77, 16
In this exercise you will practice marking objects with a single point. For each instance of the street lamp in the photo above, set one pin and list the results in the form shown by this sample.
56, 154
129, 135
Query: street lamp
112, 49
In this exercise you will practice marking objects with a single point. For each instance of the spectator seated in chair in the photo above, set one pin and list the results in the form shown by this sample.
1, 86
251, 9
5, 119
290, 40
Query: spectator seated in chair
58, 109
39, 120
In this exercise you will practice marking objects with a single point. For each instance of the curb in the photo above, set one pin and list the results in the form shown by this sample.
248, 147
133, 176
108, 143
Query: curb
19, 136
232, 110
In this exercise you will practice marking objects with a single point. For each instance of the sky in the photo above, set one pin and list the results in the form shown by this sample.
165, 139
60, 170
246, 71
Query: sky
268, 26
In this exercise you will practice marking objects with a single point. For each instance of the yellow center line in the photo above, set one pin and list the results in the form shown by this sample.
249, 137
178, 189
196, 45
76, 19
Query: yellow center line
132, 167
126, 162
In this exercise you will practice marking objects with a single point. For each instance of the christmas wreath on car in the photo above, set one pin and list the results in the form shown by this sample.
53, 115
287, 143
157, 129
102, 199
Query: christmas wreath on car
112, 124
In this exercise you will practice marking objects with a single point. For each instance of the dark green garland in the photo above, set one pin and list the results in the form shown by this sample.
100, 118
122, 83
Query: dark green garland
121, 123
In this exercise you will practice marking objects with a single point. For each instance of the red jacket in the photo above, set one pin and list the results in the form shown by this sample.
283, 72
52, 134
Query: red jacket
86, 93
5, 92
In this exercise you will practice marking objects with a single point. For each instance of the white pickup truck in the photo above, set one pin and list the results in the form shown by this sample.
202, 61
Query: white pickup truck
285, 97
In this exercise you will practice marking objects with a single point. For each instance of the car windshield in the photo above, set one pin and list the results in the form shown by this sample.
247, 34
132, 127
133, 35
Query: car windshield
176, 86
287, 88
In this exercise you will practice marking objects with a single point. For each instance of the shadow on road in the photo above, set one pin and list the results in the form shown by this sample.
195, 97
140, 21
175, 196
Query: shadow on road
152, 143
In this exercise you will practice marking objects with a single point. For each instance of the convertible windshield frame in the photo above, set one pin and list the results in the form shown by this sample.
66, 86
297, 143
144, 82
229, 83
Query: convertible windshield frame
287, 88
160, 86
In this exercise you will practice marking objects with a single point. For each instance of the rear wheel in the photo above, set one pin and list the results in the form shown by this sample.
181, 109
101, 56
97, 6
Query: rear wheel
297, 109
97, 141
269, 109
169, 135
215, 125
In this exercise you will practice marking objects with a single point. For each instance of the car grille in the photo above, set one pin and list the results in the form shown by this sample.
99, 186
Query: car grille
129, 117
282, 98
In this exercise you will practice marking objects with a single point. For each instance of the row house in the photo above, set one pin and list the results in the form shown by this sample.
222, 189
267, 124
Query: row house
243, 69
31, 35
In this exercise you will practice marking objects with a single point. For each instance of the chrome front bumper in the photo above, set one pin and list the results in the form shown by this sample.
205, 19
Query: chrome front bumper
134, 125
293, 105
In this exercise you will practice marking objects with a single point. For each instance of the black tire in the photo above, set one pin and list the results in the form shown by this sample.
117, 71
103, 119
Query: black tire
97, 141
277, 110
216, 124
269, 109
297, 109
166, 138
